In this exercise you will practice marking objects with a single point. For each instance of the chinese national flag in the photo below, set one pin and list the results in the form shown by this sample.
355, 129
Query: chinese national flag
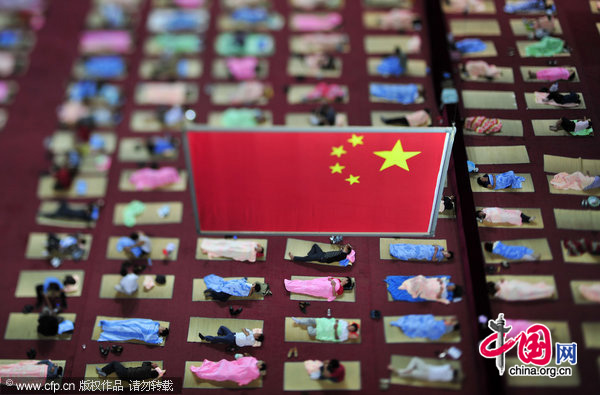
312, 182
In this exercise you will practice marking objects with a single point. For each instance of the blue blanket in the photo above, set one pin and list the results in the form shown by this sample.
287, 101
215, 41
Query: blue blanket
399, 93
526, 6
125, 242
506, 180
390, 65
104, 66
511, 252
133, 329
421, 325
470, 45
394, 282
421, 252
237, 287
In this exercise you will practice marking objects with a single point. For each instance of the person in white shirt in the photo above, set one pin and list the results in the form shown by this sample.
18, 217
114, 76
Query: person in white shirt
129, 283
420, 370
240, 339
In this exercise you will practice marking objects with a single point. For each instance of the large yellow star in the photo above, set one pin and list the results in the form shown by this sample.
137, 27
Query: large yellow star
337, 168
353, 179
356, 140
338, 151
396, 157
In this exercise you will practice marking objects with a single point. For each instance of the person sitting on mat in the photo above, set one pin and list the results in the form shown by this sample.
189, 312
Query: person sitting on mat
136, 246
418, 369
30, 371
496, 215
321, 287
420, 252
247, 337
501, 181
423, 289
51, 324
332, 370
64, 211
145, 330
238, 250
447, 203
242, 370
170, 117
517, 253
517, 290
541, 27
425, 326
53, 289
64, 176
147, 370
129, 282
571, 127
220, 289
317, 254
59, 248
329, 329
162, 147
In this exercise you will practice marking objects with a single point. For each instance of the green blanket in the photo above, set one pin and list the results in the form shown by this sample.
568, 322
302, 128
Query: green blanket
548, 46
132, 210
178, 43
240, 117
255, 44
325, 330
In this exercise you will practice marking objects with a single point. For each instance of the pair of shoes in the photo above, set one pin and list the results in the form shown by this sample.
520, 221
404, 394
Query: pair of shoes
233, 311
116, 349
100, 372
104, 351
201, 335
303, 305
31, 353
293, 352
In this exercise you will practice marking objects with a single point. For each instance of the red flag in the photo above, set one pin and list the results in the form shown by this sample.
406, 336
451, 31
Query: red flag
310, 182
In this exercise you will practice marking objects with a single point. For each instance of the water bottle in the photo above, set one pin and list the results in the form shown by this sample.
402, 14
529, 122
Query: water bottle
328, 312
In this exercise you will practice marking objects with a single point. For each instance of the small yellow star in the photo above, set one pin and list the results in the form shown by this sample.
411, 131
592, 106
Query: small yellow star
337, 168
396, 157
338, 151
356, 140
353, 179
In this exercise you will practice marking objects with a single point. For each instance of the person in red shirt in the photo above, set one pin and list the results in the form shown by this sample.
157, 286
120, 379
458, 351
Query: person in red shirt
333, 370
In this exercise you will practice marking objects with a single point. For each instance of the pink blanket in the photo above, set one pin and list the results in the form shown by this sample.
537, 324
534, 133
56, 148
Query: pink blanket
517, 290
552, 74
575, 181
238, 250
318, 287
397, 19
95, 41
28, 369
498, 215
154, 178
325, 91
590, 292
316, 22
242, 371
171, 93
242, 68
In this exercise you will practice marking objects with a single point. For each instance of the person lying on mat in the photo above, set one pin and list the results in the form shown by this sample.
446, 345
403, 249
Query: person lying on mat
144, 330
400, 20
318, 63
540, 27
552, 74
426, 326
64, 211
562, 99
162, 147
447, 203
30, 371
169, 67
501, 181
218, 288
52, 293
576, 181
308, 5
238, 250
59, 248
242, 370
575, 127
479, 69
242, 117
323, 42
578, 247
420, 252
590, 292
321, 287
247, 337
496, 215
317, 254
517, 253
129, 282
250, 92
418, 369
170, 117
330, 369
154, 177
423, 289
517, 290
329, 329
416, 118
147, 370
465, 6
136, 246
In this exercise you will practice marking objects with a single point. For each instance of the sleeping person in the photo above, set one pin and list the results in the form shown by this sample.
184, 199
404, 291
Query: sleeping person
241, 371
501, 181
497, 215
145, 330
423, 289
220, 289
420, 252
517, 253
425, 326
518, 290
321, 287
329, 329
238, 250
